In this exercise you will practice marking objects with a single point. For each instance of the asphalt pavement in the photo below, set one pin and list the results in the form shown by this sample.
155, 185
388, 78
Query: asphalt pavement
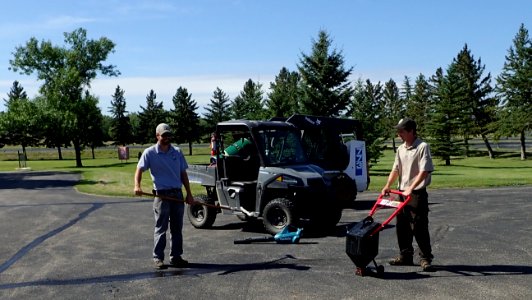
56, 243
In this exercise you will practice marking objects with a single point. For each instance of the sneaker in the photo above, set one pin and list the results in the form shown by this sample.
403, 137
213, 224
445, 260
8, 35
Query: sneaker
425, 265
402, 261
178, 262
159, 264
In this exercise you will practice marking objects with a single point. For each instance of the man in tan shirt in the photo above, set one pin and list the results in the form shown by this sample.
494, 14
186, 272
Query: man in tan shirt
413, 167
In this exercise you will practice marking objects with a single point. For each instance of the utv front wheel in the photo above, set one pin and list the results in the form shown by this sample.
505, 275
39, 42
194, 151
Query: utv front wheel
201, 216
278, 214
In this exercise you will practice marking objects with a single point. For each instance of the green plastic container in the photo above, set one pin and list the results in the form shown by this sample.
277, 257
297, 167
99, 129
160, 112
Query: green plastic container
237, 146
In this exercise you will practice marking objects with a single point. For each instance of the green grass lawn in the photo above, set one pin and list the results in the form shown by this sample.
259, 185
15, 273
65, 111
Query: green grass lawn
106, 175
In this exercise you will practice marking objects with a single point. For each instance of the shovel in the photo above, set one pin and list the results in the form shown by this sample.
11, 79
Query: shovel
169, 198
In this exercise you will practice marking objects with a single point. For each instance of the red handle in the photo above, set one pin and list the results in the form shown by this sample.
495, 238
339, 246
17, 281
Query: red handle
397, 209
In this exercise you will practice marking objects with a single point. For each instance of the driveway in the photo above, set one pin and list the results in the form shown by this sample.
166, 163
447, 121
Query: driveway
56, 243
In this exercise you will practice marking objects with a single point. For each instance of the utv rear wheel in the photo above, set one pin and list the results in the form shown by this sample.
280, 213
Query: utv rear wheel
278, 214
345, 190
201, 216
332, 216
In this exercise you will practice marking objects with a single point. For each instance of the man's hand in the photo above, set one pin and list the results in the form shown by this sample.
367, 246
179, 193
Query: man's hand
385, 190
407, 191
189, 199
137, 190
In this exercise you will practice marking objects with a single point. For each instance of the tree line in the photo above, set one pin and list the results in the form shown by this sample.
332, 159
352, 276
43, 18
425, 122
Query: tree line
451, 106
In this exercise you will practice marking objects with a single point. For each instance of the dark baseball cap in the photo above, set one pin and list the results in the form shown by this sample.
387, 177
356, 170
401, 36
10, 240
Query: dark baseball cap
406, 124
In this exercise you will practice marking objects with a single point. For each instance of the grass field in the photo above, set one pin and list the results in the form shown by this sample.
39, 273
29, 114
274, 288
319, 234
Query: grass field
106, 175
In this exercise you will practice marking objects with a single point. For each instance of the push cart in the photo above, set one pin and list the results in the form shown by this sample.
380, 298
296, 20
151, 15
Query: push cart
362, 240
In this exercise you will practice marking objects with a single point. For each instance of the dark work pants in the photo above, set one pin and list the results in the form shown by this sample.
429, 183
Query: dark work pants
413, 222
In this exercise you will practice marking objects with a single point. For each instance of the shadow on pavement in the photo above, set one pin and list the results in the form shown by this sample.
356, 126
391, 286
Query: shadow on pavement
193, 269
33, 180
488, 270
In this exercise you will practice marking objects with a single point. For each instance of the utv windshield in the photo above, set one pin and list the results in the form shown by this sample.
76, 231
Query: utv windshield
281, 147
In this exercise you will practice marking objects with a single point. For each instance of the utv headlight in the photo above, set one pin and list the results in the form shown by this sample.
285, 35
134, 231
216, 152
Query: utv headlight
289, 180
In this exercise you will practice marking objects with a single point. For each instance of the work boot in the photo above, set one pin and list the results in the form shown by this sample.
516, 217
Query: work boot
425, 265
178, 262
158, 264
402, 261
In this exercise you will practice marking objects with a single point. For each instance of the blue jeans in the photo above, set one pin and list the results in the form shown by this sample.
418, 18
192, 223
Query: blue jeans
168, 212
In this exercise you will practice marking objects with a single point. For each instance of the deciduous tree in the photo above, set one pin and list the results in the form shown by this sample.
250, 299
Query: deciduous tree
66, 72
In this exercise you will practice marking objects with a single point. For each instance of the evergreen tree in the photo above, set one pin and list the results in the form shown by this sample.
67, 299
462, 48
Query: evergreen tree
325, 81
249, 104
368, 108
478, 108
19, 124
149, 117
393, 110
285, 92
419, 104
444, 117
120, 128
17, 92
218, 110
406, 91
184, 119
514, 86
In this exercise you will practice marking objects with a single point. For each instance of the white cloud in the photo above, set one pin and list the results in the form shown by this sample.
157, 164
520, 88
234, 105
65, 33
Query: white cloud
65, 22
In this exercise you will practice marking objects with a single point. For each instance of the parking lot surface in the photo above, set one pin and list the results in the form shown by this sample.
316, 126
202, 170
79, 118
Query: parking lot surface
56, 243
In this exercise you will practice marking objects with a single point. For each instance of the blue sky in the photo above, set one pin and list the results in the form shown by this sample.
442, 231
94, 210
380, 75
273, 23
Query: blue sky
204, 44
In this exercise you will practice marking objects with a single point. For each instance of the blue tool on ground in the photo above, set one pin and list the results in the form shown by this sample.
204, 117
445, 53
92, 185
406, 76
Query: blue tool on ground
289, 235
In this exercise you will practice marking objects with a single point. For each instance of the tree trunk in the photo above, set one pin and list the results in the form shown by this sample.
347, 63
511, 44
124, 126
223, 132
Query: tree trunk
92, 150
466, 147
24, 152
488, 146
447, 159
189, 148
523, 145
393, 146
59, 153
77, 149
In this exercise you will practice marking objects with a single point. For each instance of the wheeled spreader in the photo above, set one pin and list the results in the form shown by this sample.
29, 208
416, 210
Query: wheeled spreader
362, 240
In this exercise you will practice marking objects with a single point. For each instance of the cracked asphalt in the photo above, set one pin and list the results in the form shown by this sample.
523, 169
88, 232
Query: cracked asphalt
56, 243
